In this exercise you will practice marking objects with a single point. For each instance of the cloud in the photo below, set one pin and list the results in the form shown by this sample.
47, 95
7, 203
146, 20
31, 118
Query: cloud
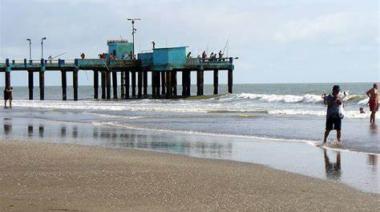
333, 28
286, 33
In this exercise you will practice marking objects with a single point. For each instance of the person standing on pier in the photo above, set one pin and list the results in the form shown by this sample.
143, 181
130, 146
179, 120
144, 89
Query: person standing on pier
220, 55
153, 45
373, 103
8, 96
204, 56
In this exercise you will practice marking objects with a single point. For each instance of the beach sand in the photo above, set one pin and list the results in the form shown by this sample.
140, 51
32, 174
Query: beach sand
58, 177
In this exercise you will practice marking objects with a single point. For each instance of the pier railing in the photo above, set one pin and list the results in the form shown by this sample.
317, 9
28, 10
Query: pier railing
209, 63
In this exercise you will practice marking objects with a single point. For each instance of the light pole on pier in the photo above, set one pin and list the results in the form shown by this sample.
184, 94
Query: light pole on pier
133, 20
30, 48
42, 47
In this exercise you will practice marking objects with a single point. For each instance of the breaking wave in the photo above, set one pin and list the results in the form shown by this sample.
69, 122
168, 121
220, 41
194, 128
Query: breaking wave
307, 98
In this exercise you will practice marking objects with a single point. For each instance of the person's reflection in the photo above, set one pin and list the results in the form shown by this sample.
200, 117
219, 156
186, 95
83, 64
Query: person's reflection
41, 130
63, 131
333, 170
75, 132
30, 130
7, 126
95, 133
373, 129
372, 161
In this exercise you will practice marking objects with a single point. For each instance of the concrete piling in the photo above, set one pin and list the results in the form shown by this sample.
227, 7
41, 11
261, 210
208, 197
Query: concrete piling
42, 80
126, 84
230, 80
163, 83
139, 84
122, 85
200, 82
96, 84
108, 84
103, 83
114, 84
145, 82
133, 76
75, 84
216, 81
64, 85
30, 84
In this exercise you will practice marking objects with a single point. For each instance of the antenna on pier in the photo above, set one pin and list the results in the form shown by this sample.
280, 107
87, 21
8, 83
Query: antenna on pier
226, 47
133, 20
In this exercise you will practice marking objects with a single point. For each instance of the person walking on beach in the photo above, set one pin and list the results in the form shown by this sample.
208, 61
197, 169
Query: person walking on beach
8, 96
373, 103
333, 117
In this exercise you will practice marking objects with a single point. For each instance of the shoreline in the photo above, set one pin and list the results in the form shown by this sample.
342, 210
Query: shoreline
357, 170
44, 176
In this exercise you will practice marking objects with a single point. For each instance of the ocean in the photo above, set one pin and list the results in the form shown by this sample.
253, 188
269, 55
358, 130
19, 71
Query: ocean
278, 111
279, 125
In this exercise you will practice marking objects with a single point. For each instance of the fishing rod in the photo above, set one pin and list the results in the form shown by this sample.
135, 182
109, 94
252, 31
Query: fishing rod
59, 55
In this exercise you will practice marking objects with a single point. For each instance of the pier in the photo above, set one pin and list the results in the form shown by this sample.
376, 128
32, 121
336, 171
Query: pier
163, 64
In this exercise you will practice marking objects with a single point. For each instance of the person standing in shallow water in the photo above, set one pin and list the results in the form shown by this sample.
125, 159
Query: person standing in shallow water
333, 116
8, 96
373, 103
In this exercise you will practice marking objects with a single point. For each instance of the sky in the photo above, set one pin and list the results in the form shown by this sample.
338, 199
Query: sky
277, 41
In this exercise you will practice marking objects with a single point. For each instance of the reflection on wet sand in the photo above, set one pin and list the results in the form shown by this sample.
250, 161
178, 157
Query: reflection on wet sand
333, 170
75, 132
118, 138
373, 129
372, 161
7, 126
30, 130
63, 131
41, 131
112, 137
215, 147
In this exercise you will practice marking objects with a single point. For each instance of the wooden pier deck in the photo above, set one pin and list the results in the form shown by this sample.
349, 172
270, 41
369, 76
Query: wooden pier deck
133, 73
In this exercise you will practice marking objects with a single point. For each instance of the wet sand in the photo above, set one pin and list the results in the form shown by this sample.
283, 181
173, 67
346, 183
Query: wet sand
59, 177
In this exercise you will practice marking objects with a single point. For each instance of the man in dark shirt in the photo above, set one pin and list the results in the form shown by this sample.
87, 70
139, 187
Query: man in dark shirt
333, 118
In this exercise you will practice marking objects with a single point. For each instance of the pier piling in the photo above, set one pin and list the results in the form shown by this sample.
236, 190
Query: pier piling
153, 85
108, 84
169, 85
64, 85
30, 84
230, 80
139, 84
114, 84
42, 80
75, 84
133, 76
103, 83
126, 84
42, 85
122, 85
7, 79
186, 83
216, 81
174, 83
163, 83
145, 82
200, 82
96, 84
7, 74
